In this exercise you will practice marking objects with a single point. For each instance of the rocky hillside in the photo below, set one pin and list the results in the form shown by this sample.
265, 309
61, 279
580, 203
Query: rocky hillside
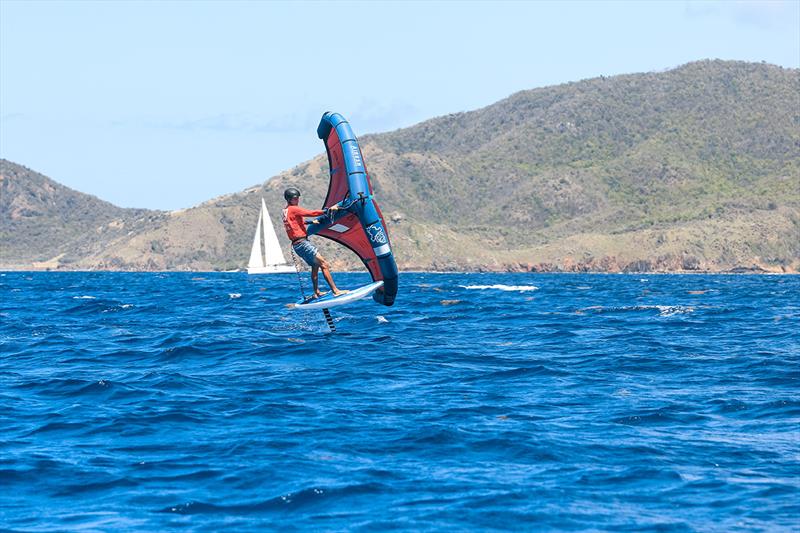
44, 224
696, 168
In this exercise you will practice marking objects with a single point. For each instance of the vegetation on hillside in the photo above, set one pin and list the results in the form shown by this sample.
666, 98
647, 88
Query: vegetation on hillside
694, 168
41, 219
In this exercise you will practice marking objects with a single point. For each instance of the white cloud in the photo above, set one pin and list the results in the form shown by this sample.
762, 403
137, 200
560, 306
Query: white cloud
366, 116
373, 116
764, 14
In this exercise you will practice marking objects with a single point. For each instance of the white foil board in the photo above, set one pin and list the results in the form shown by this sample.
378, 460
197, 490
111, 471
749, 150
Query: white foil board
329, 300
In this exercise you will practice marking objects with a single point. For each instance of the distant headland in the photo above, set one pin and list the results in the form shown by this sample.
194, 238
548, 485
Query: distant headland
690, 170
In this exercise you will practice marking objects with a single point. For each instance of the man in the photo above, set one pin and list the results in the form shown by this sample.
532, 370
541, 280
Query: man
295, 227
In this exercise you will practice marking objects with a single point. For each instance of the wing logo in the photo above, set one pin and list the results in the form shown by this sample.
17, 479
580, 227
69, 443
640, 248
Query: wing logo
376, 234
356, 153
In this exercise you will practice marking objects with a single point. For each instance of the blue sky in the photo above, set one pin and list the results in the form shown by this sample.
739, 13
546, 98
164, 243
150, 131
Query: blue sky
166, 105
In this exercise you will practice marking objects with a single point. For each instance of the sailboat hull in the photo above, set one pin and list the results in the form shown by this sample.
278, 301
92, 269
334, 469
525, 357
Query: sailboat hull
271, 269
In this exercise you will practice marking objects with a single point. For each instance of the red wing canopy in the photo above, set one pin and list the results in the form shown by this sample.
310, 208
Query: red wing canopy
349, 172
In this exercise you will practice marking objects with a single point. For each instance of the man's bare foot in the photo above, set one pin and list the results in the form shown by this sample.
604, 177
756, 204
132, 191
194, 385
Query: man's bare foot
337, 292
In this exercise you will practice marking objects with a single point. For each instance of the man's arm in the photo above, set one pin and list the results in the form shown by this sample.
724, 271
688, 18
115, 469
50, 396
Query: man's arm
307, 212
335, 207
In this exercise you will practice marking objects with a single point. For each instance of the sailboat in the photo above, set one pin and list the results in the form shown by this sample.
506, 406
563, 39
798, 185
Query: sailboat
271, 261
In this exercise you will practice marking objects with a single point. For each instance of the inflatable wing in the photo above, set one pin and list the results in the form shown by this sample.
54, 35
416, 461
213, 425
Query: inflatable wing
358, 224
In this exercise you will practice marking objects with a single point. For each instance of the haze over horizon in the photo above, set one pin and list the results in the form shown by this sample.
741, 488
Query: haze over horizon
167, 105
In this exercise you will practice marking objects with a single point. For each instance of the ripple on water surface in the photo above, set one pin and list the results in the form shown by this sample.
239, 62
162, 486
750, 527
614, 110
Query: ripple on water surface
513, 401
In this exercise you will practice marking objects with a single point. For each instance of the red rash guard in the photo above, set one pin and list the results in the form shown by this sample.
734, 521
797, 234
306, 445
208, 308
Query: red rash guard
293, 221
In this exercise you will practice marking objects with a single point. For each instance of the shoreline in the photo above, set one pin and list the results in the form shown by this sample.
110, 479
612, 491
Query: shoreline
4, 271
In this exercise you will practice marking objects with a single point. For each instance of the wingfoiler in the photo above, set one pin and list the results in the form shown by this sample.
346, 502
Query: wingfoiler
358, 224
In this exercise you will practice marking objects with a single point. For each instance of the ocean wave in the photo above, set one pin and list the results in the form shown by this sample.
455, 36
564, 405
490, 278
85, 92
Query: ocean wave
469, 401
500, 287
663, 310
287, 501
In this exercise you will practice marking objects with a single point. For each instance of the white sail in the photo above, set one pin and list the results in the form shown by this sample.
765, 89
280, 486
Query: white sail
272, 249
256, 258
274, 261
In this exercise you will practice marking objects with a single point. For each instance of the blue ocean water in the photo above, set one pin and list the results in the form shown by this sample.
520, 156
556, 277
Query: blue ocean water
479, 401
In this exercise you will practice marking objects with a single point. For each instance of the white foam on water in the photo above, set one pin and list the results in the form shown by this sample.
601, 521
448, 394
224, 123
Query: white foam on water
235, 295
84, 297
670, 310
381, 319
518, 288
663, 310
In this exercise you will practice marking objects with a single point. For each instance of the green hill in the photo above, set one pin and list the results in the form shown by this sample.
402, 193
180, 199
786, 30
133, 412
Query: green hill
44, 221
693, 168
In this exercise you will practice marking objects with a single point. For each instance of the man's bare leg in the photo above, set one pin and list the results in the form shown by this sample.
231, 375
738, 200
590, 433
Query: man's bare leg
315, 279
326, 272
